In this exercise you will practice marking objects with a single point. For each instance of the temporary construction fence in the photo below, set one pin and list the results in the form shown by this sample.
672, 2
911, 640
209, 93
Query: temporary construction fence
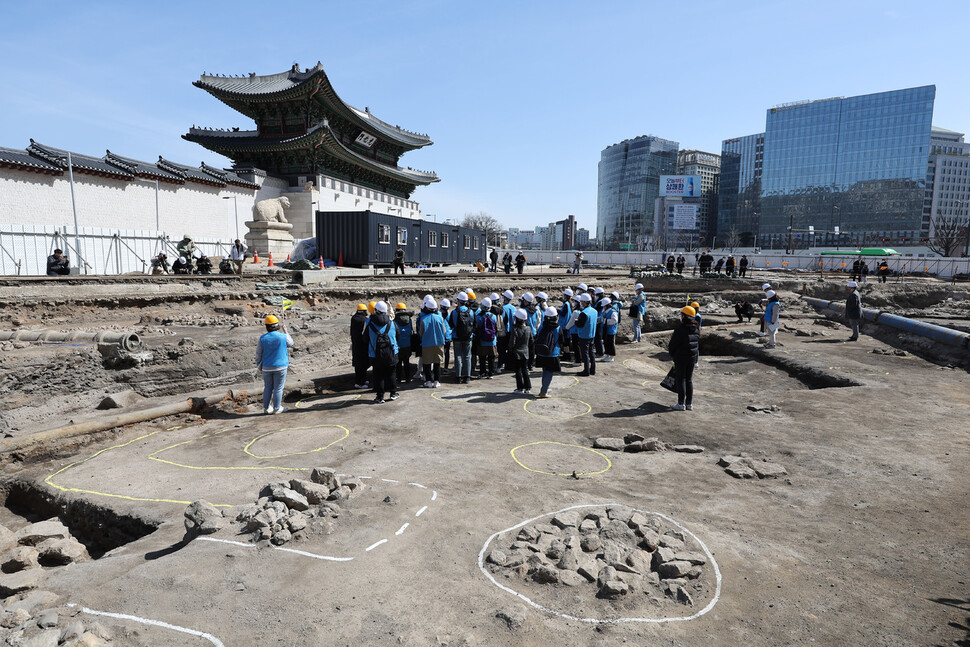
945, 268
24, 249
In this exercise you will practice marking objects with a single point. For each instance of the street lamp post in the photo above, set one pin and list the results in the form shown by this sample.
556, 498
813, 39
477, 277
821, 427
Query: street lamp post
235, 211
838, 228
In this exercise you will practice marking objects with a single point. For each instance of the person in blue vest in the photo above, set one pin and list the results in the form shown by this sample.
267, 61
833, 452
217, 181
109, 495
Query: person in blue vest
638, 308
698, 318
486, 332
462, 323
585, 322
771, 317
272, 359
508, 314
382, 348
547, 350
433, 331
404, 329
609, 321
443, 309
565, 313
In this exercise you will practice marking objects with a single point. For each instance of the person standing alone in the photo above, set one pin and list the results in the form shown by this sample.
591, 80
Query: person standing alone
853, 309
684, 348
399, 259
273, 359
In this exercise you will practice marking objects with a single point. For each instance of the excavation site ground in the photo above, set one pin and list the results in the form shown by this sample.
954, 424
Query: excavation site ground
816, 493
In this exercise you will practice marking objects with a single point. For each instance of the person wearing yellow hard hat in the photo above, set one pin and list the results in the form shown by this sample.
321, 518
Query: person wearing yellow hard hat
405, 333
358, 347
684, 348
273, 359
697, 317
382, 350
371, 305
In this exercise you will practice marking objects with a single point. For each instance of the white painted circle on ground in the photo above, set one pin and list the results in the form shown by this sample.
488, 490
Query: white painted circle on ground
707, 552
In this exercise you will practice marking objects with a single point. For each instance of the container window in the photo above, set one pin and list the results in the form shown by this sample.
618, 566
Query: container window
402, 235
384, 234
468, 241
432, 239
475, 242
444, 239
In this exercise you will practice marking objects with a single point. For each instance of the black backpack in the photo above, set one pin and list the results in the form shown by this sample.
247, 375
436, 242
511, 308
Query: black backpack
383, 348
546, 340
464, 326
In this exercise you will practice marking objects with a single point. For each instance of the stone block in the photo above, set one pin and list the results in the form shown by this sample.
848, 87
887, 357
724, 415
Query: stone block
611, 444
37, 532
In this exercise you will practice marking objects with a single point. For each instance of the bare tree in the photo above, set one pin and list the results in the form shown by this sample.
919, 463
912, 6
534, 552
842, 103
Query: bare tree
686, 240
948, 235
733, 239
487, 223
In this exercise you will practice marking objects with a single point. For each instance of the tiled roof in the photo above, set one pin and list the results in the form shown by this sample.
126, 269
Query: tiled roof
140, 168
10, 157
259, 84
188, 173
227, 176
93, 165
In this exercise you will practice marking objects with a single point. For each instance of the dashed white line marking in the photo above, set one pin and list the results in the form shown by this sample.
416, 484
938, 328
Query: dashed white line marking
403, 528
423, 487
327, 558
420, 512
390, 481
365, 477
375, 545
157, 623
434, 494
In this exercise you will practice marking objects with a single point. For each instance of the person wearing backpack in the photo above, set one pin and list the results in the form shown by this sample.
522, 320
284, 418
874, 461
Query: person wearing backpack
565, 313
462, 324
505, 323
547, 350
486, 332
533, 318
500, 332
404, 331
520, 349
638, 308
432, 330
443, 309
382, 350
610, 318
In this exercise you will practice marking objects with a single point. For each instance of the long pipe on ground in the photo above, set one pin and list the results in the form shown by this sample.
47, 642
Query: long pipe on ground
191, 405
127, 340
930, 331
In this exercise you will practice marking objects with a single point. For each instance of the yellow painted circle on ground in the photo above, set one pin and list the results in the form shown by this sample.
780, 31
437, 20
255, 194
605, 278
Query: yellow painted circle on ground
550, 442
553, 401
570, 382
321, 401
456, 396
309, 451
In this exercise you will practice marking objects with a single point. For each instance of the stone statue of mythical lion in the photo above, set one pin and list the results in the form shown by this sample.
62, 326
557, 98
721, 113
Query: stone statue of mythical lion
271, 210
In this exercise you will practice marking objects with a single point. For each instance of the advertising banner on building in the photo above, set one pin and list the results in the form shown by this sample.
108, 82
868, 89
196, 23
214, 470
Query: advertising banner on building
681, 186
685, 216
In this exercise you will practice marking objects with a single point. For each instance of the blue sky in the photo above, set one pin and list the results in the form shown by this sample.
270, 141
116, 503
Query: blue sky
520, 98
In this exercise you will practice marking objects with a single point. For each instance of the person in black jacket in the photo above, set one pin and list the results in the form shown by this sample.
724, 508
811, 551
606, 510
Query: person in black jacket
684, 348
358, 347
520, 349
853, 309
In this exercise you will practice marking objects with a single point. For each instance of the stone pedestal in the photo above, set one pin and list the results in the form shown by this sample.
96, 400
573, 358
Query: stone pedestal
270, 238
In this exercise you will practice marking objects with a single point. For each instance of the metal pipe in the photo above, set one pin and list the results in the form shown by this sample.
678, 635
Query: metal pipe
127, 340
191, 405
930, 331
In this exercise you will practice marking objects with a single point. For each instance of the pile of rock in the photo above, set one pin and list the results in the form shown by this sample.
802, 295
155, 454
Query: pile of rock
634, 442
743, 467
284, 511
32, 620
613, 553
25, 553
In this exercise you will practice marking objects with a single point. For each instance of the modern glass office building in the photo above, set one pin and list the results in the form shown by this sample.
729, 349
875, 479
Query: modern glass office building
739, 198
629, 183
856, 163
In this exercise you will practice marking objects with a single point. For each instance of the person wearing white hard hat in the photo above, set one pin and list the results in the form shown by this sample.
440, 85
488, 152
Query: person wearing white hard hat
382, 351
541, 301
181, 266
853, 309
505, 321
486, 332
586, 330
771, 317
581, 288
520, 349
577, 261
610, 322
565, 314
598, 306
547, 349
534, 315
762, 303
462, 324
638, 308
500, 332
432, 330
443, 308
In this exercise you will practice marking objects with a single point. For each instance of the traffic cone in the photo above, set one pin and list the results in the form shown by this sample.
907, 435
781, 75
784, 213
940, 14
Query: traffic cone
255, 256
287, 258
340, 260
320, 263
270, 263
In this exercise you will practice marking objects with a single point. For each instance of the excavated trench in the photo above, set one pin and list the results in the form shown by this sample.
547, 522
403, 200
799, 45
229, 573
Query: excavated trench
98, 527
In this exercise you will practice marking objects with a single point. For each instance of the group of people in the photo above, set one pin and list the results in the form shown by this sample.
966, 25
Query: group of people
191, 260
860, 271
485, 337
706, 264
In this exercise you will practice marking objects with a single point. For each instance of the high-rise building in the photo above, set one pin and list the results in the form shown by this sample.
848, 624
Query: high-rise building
629, 182
582, 238
708, 166
739, 190
947, 182
859, 161
560, 234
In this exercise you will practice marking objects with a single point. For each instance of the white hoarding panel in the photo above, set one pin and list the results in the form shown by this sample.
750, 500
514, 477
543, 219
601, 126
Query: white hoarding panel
685, 216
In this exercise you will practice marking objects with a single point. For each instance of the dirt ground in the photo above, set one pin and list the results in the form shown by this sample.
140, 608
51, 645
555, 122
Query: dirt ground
864, 541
